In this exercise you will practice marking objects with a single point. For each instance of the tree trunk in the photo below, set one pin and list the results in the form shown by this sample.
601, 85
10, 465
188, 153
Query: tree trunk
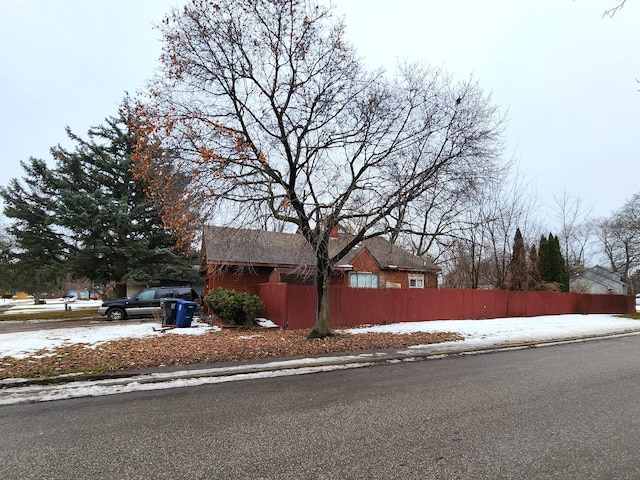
323, 305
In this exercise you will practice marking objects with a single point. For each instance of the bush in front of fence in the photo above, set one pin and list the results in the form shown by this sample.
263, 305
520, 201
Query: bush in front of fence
235, 308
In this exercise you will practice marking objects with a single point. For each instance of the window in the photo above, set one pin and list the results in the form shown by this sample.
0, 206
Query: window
146, 295
166, 293
363, 280
416, 280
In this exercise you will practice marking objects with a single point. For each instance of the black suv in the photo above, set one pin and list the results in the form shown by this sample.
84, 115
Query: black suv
145, 302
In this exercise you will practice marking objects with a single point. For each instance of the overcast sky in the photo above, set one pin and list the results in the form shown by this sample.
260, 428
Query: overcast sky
565, 76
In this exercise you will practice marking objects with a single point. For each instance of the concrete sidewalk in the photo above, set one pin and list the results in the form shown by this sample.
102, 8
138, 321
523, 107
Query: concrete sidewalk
14, 391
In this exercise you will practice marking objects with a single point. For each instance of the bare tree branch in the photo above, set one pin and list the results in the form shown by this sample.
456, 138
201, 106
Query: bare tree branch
612, 11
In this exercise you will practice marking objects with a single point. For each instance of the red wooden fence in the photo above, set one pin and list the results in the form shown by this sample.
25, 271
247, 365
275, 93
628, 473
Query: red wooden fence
294, 306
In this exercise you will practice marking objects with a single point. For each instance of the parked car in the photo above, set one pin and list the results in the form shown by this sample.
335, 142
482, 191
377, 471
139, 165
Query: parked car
637, 303
144, 303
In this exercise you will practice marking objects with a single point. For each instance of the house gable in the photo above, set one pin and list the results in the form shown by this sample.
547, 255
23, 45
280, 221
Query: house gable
365, 262
598, 280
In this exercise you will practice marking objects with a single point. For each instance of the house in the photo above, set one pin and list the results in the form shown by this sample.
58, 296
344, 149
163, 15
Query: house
242, 259
598, 280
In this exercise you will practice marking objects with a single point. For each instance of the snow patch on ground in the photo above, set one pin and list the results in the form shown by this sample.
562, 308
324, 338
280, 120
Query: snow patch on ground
545, 326
263, 322
52, 304
476, 333
500, 331
25, 344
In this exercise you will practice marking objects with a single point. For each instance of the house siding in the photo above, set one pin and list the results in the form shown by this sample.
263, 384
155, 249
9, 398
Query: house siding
240, 281
249, 281
399, 278
402, 278
270, 250
364, 262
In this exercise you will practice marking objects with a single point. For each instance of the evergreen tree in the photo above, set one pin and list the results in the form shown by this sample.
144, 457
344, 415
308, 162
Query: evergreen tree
534, 282
40, 249
557, 263
551, 265
101, 224
7, 261
518, 267
544, 265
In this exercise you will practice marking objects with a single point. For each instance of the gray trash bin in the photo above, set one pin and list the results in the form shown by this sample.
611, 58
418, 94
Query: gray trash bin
168, 310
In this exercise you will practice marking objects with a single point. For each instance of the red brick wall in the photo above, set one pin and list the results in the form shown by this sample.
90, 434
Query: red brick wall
364, 262
397, 277
240, 281
247, 280
394, 277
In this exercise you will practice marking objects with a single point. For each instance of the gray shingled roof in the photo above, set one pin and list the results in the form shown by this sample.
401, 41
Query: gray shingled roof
237, 246
389, 255
602, 276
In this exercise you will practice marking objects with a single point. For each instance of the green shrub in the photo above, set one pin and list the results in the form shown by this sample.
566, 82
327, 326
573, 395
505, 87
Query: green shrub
235, 308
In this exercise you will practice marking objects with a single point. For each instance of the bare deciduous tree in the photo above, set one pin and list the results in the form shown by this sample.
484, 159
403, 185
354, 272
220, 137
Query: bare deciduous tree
575, 229
619, 237
484, 230
266, 108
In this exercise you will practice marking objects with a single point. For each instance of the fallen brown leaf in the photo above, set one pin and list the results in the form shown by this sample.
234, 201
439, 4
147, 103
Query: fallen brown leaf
223, 346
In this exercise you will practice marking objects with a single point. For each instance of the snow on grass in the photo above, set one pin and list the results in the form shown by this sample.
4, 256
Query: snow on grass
477, 333
55, 304
263, 322
500, 331
543, 325
25, 344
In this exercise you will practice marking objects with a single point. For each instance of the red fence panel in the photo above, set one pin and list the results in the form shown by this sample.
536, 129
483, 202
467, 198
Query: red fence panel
358, 306
485, 304
515, 304
294, 306
612, 303
451, 305
430, 305
274, 296
301, 306
534, 304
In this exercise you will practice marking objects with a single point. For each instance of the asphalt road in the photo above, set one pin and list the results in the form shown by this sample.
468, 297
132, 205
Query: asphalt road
566, 412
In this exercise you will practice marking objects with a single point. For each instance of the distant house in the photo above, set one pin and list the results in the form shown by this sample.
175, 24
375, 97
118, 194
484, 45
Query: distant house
598, 280
242, 259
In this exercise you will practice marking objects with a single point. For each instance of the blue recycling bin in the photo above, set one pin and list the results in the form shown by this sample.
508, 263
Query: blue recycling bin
184, 313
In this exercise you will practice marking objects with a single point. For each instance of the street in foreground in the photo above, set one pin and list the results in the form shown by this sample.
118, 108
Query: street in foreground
569, 412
